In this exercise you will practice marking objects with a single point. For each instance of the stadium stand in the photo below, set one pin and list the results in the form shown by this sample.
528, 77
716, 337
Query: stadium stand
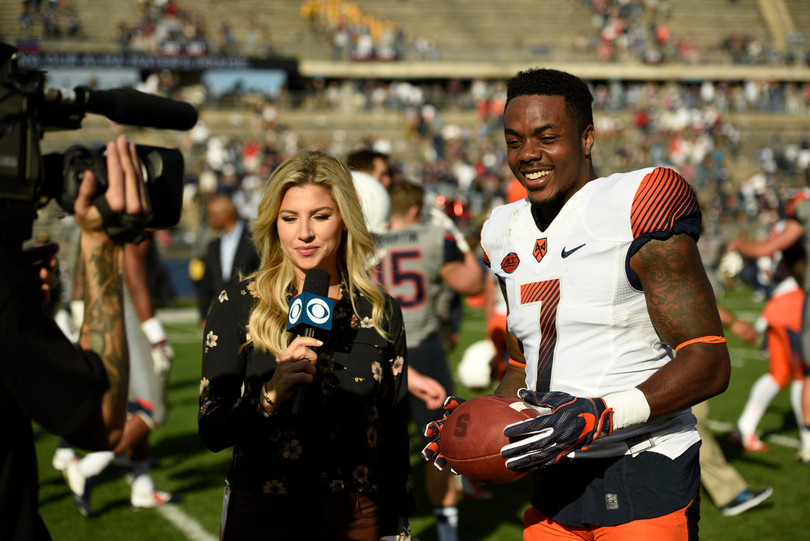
492, 31
437, 113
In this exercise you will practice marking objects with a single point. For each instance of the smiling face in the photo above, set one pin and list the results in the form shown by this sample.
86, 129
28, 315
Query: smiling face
545, 151
309, 229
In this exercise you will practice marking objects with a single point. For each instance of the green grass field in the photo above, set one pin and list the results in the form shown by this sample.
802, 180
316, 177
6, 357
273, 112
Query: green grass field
190, 469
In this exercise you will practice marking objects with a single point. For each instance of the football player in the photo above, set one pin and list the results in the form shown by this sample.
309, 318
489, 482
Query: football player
613, 330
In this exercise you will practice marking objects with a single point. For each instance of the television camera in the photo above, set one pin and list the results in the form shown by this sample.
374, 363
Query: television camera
28, 180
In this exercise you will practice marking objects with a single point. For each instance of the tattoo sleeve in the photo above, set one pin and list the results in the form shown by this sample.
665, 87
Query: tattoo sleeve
103, 328
679, 296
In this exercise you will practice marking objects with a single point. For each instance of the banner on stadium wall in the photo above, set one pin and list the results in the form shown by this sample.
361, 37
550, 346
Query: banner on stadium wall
146, 62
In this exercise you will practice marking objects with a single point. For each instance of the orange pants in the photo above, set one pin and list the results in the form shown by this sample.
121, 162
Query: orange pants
681, 525
784, 316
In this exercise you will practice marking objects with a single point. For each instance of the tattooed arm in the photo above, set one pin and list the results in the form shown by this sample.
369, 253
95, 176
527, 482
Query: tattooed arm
103, 333
103, 327
681, 304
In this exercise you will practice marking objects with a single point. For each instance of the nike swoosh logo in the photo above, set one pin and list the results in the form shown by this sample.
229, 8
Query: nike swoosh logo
571, 251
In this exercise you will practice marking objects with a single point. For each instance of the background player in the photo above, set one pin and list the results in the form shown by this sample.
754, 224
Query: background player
798, 214
373, 163
727, 488
376, 204
151, 359
418, 258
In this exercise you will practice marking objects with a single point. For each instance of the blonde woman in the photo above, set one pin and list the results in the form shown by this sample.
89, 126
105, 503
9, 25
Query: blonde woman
339, 469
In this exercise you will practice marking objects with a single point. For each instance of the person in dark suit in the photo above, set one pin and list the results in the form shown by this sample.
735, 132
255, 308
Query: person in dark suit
227, 256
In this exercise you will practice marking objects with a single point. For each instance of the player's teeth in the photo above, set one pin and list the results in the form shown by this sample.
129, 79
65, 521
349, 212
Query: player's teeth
538, 174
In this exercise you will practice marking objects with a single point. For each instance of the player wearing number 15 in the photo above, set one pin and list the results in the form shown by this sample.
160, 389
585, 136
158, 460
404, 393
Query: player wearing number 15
416, 259
604, 284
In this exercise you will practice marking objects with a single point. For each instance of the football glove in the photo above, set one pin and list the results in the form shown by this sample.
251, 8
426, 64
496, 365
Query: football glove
434, 429
565, 424
162, 352
162, 357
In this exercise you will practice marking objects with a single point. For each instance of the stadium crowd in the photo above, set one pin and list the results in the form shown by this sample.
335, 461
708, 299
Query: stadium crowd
623, 31
638, 31
56, 18
678, 125
354, 34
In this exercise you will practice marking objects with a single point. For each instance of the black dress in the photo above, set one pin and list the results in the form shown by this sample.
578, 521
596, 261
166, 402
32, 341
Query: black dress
352, 435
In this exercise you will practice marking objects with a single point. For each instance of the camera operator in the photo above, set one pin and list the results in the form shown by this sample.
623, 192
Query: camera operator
79, 393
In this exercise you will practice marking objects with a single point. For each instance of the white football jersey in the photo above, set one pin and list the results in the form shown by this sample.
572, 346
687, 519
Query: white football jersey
577, 307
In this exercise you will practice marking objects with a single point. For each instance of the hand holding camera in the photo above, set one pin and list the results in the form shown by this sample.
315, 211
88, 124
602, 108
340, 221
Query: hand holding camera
126, 193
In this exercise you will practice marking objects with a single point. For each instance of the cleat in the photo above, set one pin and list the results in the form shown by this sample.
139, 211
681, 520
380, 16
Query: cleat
79, 487
745, 501
749, 442
154, 499
803, 456
62, 458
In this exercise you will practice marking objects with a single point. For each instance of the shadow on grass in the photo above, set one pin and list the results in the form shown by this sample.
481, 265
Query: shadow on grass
110, 474
478, 519
187, 461
734, 453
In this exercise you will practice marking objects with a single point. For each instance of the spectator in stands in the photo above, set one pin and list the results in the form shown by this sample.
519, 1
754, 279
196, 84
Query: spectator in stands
74, 27
26, 22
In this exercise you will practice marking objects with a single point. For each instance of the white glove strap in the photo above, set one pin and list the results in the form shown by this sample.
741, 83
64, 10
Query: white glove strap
629, 408
153, 329
462, 244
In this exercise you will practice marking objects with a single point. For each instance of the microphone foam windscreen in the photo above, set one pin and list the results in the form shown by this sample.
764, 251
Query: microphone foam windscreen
316, 282
141, 109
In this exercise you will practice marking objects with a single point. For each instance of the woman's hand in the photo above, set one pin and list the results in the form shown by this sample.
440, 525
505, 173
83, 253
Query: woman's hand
297, 364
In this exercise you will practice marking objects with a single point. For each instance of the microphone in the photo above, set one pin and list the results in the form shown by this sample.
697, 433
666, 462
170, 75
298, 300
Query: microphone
129, 106
310, 311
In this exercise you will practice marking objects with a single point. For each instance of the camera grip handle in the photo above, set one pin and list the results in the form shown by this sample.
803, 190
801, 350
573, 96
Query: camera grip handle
119, 226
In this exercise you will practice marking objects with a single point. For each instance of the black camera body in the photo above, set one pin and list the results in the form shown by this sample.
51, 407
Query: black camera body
162, 171
28, 180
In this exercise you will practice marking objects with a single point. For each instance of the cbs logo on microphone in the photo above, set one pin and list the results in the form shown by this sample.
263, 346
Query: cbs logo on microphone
310, 310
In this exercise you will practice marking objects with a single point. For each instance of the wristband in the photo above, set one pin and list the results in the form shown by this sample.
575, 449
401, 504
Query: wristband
629, 408
702, 340
153, 329
77, 313
462, 244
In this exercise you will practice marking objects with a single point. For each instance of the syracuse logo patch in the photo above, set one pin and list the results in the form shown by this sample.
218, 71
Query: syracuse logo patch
540, 249
510, 262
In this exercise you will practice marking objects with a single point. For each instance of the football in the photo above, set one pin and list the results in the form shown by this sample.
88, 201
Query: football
472, 437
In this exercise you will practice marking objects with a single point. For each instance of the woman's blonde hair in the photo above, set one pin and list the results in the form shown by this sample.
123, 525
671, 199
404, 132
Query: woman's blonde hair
275, 277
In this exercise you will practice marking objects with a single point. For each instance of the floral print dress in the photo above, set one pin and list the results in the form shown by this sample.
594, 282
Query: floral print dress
352, 435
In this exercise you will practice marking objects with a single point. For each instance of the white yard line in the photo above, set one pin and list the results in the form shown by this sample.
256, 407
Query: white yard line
178, 315
186, 524
748, 353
